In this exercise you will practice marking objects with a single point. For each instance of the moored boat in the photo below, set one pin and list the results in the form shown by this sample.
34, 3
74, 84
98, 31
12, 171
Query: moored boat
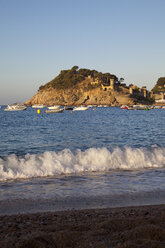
15, 107
38, 106
68, 108
157, 107
124, 107
81, 108
53, 107
138, 107
54, 111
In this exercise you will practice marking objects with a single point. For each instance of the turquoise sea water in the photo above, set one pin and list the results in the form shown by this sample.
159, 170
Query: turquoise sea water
96, 158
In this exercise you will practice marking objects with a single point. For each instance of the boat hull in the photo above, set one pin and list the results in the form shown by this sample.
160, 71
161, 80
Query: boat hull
48, 111
53, 107
38, 106
81, 108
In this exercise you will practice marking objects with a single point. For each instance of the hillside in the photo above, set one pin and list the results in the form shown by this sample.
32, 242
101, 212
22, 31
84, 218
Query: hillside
68, 79
160, 85
81, 86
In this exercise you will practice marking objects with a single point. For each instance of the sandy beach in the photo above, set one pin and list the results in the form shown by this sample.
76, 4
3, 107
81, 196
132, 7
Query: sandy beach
129, 227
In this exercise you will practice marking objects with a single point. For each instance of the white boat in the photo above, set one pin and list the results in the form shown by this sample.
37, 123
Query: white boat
157, 107
15, 107
54, 107
54, 111
80, 108
38, 106
138, 107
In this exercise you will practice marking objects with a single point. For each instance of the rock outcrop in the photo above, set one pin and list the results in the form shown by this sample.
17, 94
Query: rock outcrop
84, 87
81, 96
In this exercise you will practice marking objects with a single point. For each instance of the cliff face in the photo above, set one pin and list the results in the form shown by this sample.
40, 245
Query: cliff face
80, 96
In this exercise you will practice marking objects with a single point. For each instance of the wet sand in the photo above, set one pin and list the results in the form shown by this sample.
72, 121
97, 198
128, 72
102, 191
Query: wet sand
116, 227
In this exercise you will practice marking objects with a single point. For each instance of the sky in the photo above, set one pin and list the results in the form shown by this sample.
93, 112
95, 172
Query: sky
39, 38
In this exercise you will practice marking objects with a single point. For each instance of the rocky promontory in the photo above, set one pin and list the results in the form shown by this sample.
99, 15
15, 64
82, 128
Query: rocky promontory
83, 87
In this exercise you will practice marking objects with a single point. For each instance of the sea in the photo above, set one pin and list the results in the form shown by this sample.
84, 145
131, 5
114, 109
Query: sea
103, 157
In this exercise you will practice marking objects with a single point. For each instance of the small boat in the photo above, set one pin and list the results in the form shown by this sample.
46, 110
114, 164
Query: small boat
54, 111
138, 107
157, 107
130, 108
38, 106
53, 107
68, 108
124, 107
15, 107
81, 108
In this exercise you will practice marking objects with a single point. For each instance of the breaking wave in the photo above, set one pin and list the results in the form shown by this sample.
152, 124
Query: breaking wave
93, 159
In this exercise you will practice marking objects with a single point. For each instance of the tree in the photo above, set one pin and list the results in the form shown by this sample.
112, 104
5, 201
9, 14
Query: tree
160, 85
70, 78
74, 68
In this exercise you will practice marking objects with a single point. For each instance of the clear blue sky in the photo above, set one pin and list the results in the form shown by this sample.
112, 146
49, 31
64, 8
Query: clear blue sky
39, 38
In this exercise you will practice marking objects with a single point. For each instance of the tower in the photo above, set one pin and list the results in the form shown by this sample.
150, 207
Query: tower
112, 84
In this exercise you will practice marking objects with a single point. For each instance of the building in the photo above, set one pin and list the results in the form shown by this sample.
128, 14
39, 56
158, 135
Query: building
111, 86
135, 91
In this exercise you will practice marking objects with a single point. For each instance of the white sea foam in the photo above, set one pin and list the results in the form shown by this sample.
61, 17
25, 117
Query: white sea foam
93, 159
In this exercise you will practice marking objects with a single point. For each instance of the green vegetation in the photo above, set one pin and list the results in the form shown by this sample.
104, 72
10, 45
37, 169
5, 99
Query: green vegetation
70, 78
160, 85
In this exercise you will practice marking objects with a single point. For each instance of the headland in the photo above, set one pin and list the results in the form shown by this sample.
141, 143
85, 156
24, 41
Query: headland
76, 87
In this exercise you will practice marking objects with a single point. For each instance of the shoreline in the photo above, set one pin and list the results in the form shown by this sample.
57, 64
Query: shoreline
42, 205
140, 226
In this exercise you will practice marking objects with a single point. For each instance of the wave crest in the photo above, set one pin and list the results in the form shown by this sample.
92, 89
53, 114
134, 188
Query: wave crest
93, 159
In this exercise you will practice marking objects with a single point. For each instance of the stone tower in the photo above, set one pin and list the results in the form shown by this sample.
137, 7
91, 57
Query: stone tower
144, 89
131, 90
112, 84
